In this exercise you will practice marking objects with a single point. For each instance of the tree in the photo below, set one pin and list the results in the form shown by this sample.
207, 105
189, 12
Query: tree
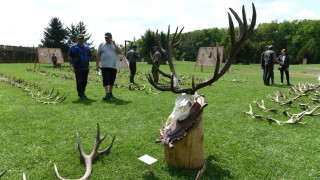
55, 35
148, 42
75, 30
301, 39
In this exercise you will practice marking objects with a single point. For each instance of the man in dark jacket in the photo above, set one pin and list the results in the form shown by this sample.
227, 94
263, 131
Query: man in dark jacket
80, 54
284, 66
262, 62
270, 59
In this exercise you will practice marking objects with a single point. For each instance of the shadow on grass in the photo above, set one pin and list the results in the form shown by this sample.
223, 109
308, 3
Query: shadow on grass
117, 101
281, 86
213, 171
86, 101
150, 175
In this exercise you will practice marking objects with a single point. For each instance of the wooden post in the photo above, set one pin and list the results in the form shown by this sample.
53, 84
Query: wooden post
188, 152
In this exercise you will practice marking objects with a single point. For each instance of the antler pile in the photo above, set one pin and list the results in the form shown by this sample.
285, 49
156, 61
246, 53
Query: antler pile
294, 118
34, 90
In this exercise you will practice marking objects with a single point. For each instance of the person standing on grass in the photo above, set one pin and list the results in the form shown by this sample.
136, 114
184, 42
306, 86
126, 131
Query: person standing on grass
270, 59
133, 56
54, 60
284, 66
262, 62
79, 53
108, 57
156, 60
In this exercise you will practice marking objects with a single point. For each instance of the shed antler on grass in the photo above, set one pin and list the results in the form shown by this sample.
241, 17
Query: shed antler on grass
295, 118
1, 174
236, 43
88, 159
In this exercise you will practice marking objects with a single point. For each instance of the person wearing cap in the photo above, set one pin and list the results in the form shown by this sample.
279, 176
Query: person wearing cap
156, 62
107, 56
80, 54
270, 58
133, 55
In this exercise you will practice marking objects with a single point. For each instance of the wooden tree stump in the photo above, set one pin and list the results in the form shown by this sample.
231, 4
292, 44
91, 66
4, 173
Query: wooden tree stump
188, 152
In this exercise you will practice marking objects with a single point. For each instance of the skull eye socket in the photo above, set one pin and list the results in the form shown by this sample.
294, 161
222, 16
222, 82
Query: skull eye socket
185, 104
189, 103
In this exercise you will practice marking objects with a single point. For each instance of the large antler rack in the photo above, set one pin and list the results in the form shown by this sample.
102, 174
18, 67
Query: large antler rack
236, 43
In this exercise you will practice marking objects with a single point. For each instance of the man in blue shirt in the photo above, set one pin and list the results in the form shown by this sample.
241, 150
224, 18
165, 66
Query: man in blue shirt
80, 54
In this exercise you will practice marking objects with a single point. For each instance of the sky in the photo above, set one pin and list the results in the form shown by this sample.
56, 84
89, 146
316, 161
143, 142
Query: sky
24, 21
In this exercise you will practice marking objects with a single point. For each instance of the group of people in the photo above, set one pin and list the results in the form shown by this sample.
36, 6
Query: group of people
106, 62
268, 59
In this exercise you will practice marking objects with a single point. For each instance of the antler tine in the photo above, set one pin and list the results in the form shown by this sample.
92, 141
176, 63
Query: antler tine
241, 25
176, 36
231, 30
254, 19
98, 142
159, 44
1, 174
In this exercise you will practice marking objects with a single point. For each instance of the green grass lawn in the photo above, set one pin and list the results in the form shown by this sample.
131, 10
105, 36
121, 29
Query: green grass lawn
36, 136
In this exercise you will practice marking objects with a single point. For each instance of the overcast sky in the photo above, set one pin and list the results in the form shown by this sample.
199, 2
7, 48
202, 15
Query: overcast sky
23, 21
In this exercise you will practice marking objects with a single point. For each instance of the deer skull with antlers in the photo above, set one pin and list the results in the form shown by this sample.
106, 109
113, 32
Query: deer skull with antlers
188, 96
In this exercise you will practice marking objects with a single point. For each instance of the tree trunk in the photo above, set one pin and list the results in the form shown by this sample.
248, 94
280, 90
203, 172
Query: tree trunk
188, 152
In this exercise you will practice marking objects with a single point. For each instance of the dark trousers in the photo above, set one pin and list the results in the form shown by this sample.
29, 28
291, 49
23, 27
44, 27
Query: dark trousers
81, 80
269, 73
133, 70
264, 74
155, 73
54, 64
283, 69
109, 76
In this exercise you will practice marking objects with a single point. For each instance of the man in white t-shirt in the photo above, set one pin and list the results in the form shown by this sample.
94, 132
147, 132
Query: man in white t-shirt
108, 58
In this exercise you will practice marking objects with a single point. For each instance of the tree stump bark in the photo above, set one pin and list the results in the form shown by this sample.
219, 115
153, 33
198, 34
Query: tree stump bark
188, 152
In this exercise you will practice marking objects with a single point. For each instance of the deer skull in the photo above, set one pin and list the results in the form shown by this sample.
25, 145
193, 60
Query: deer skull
181, 109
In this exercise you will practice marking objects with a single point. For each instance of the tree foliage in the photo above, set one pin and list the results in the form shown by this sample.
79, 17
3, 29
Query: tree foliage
55, 35
75, 30
148, 41
301, 39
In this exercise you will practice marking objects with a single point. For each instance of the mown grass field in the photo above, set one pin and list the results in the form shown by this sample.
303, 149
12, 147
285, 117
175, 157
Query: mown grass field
35, 136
